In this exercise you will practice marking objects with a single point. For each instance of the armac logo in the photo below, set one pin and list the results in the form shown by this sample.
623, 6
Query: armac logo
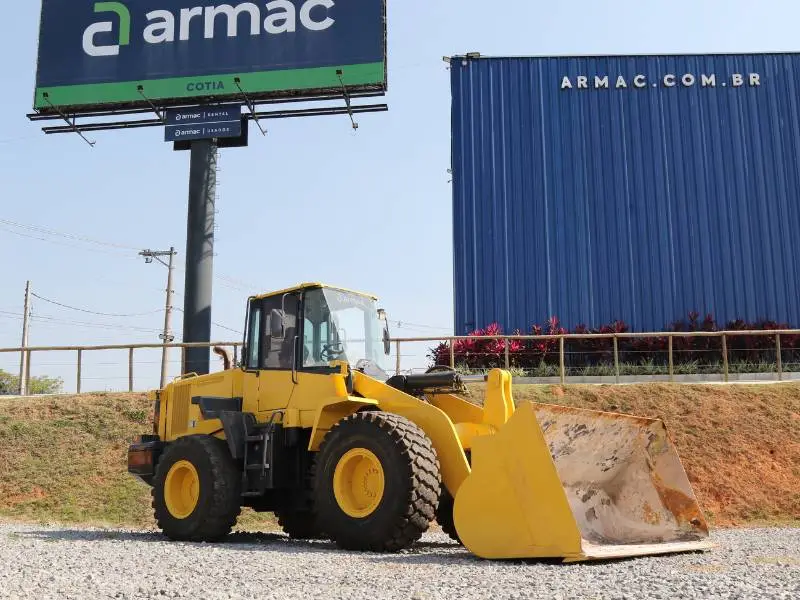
166, 27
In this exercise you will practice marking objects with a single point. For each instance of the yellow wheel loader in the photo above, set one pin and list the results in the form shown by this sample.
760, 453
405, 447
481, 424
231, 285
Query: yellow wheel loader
309, 426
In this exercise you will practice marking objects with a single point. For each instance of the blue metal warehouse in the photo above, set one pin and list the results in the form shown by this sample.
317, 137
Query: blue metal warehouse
625, 187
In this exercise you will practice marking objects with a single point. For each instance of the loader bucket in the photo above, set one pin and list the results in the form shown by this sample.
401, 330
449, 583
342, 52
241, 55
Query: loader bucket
557, 482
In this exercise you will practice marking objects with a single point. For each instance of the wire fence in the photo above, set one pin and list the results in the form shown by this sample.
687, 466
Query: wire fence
671, 356
106, 368
724, 355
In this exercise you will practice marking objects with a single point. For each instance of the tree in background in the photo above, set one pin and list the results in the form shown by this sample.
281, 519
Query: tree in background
9, 384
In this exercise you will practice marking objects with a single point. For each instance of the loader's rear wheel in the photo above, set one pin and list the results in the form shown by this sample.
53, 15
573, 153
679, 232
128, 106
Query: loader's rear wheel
196, 490
376, 482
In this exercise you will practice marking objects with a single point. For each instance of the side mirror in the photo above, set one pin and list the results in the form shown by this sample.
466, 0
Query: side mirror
387, 341
277, 324
387, 338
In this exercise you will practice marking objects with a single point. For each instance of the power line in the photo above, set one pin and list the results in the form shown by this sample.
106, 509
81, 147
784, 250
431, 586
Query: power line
48, 320
68, 245
72, 236
121, 250
92, 312
418, 326
227, 328
217, 324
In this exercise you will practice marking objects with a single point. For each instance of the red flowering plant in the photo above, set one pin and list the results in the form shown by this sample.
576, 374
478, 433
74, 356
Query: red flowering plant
757, 348
474, 352
585, 352
534, 352
703, 350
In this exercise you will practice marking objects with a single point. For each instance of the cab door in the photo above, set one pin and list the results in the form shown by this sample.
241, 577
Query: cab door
279, 345
251, 357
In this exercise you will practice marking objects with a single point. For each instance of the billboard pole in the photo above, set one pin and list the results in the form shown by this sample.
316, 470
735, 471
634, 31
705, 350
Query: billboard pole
199, 255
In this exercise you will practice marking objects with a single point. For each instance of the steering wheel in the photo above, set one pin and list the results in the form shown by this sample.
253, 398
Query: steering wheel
331, 351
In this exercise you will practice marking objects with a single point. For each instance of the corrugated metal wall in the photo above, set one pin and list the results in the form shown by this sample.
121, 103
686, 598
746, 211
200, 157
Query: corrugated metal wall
633, 203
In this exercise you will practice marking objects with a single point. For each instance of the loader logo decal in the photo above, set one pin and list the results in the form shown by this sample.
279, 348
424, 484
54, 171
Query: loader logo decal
91, 33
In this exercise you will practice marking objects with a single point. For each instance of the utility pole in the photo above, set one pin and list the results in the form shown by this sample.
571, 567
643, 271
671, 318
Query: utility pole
166, 336
23, 361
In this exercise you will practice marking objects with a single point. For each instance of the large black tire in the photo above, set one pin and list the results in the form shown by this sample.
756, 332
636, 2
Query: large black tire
299, 524
411, 483
444, 515
219, 490
444, 512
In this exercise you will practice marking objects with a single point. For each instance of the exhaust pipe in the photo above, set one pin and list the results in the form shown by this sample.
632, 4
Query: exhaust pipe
226, 356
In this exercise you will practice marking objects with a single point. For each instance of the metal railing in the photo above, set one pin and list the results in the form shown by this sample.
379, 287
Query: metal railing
131, 348
562, 339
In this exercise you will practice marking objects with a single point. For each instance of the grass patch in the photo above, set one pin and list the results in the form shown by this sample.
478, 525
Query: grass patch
64, 459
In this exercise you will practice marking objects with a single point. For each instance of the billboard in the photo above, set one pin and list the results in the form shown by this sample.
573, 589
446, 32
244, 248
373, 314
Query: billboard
637, 188
134, 53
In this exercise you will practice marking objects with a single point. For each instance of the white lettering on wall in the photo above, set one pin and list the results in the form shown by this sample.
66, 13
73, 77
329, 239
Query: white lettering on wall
670, 80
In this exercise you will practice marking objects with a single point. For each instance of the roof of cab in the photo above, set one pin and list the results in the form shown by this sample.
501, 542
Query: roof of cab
303, 286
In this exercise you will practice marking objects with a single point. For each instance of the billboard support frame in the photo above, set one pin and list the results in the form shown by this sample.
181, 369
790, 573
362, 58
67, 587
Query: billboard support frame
72, 125
346, 99
140, 89
249, 104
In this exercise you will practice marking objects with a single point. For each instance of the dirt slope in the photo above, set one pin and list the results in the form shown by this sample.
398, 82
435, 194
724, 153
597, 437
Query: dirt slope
740, 445
63, 459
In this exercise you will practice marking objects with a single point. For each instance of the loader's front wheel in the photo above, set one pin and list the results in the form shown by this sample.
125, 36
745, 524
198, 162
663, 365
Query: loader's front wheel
444, 516
376, 482
299, 524
196, 490
444, 512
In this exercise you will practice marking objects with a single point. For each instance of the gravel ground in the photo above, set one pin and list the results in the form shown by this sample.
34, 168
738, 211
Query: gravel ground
57, 562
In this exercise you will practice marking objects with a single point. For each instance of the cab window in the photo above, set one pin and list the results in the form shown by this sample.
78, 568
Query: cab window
277, 351
253, 336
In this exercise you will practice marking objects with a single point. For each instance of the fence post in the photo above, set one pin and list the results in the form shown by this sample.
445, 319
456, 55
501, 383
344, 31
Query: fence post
616, 359
562, 369
725, 366
28, 373
397, 360
671, 360
778, 357
80, 360
130, 369
452, 354
508, 355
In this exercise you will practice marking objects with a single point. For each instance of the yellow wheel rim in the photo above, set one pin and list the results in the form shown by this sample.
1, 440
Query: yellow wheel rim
358, 483
182, 489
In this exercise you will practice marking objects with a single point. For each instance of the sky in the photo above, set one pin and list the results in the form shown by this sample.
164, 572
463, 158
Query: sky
310, 201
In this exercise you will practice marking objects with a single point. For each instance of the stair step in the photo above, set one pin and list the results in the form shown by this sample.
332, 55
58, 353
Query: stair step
256, 467
252, 494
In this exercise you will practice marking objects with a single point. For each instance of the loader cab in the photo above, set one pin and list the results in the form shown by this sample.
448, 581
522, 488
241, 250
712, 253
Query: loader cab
308, 328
